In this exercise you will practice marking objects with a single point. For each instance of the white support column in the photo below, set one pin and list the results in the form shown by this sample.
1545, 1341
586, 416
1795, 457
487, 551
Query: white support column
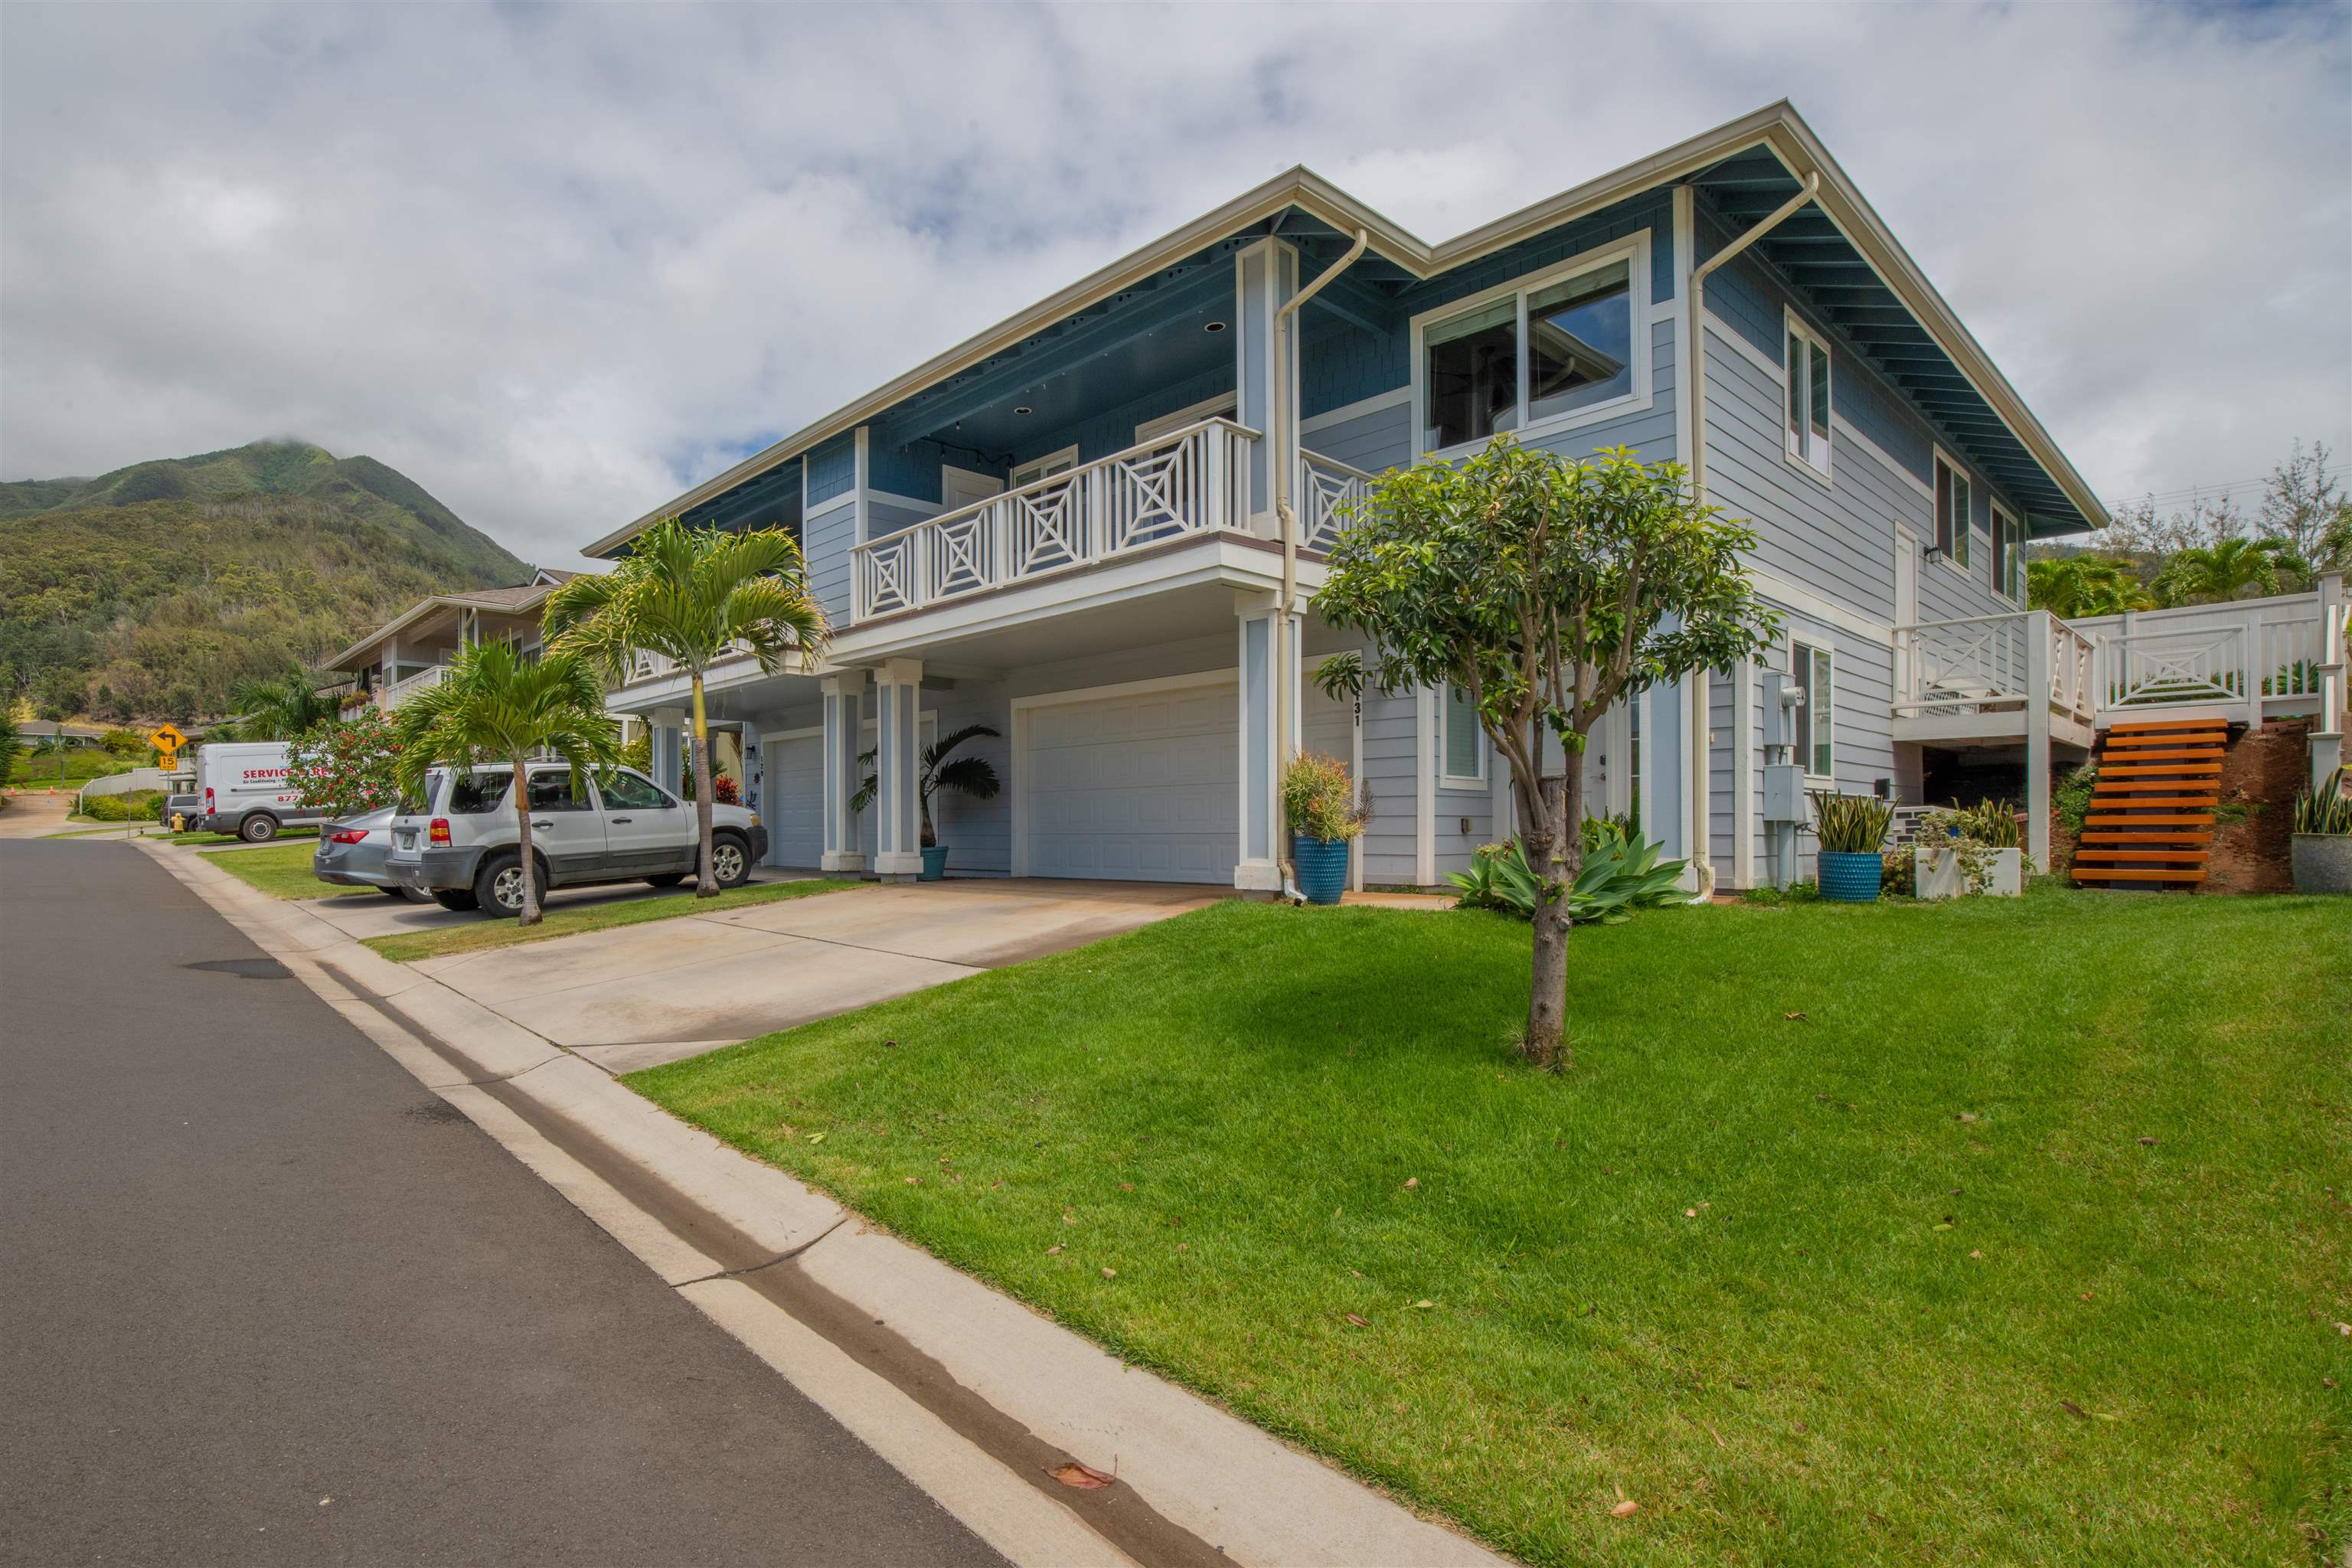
2326, 740
1424, 787
1257, 867
898, 740
2037, 739
842, 701
1743, 744
667, 725
1266, 276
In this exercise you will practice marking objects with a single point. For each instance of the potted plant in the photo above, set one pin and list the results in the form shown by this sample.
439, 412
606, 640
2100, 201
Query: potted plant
971, 777
1970, 849
2321, 851
1852, 829
1320, 801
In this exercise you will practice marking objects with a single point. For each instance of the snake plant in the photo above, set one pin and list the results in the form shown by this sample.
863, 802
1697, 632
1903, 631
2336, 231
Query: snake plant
2326, 809
1851, 824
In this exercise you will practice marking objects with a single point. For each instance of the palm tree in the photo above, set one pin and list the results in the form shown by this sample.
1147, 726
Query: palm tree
694, 595
2216, 573
285, 709
2077, 586
973, 777
495, 706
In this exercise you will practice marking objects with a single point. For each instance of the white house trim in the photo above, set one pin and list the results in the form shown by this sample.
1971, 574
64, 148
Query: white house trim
1634, 252
1685, 257
1845, 432
1356, 410
1730, 338
1224, 403
913, 503
1023, 707
1811, 605
1424, 787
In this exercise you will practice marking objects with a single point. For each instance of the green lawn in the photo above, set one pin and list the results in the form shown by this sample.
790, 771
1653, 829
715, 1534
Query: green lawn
214, 841
2024, 1240
476, 936
283, 871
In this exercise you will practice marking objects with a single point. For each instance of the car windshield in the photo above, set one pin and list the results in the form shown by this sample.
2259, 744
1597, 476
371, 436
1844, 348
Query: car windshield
417, 802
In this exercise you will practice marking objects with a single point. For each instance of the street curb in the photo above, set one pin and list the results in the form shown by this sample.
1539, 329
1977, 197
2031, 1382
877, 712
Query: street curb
963, 1389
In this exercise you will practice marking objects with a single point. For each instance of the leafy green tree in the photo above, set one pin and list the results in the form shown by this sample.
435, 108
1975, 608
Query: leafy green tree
493, 706
694, 595
1549, 589
2216, 573
11, 740
349, 767
941, 769
284, 708
121, 742
2071, 586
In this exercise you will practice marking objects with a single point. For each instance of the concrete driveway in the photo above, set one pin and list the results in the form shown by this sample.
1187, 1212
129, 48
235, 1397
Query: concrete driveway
638, 995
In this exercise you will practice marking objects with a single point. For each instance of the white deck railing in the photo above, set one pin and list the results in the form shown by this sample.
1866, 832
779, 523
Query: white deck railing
1330, 490
1985, 663
390, 697
2283, 654
1190, 482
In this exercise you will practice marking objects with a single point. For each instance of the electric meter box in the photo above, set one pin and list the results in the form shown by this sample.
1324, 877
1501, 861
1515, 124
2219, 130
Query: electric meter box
1784, 792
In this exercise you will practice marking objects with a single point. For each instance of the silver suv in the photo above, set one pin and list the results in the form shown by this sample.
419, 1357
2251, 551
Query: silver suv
460, 843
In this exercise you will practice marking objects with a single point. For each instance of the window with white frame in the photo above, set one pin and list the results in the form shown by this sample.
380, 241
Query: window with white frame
1807, 436
1817, 715
2008, 553
1952, 510
1466, 745
1552, 350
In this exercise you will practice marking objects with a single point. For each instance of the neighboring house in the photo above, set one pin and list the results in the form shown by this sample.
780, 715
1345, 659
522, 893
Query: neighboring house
412, 650
1067, 528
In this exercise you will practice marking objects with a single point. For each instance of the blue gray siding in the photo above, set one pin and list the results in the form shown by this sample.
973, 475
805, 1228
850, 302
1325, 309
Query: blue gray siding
828, 535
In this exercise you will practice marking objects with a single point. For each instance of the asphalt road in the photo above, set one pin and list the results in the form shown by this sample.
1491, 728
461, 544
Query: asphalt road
264, 1299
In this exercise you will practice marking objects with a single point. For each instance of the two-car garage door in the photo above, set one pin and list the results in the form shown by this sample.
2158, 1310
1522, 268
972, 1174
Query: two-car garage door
1137, 788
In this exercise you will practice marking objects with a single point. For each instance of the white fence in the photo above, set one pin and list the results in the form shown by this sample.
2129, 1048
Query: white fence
1191, 481
391, 696
1329, 490
1987, 664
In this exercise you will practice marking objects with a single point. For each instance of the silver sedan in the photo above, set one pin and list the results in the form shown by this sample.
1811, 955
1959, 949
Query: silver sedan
350, 855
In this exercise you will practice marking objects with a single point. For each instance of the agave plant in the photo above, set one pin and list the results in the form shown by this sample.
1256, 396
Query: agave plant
1622, 873
2326, 809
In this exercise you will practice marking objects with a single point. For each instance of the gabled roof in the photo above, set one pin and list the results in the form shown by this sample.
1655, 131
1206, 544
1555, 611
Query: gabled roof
515, 601
1775, 130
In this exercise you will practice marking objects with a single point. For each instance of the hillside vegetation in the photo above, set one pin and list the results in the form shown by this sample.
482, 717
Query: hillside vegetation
151, 592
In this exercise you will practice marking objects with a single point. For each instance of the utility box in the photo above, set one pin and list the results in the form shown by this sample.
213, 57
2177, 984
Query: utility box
1784, 792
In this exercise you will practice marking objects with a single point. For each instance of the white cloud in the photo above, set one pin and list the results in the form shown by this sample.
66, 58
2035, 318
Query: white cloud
558, 264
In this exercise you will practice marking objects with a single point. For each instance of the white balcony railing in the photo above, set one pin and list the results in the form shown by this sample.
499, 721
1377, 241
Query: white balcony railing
1190, 482
390, 697
2283, 654
1330, 492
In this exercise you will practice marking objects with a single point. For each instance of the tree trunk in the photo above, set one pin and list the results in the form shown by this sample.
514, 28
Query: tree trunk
1555, 853
706, 886
529, 915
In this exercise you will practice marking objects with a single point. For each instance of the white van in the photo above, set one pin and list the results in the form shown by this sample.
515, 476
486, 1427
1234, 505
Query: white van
242, 788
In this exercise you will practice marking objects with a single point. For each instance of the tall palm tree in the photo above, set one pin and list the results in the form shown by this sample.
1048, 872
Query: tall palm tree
694, 595
494, 706
284, 708
2216, 573
2077, 586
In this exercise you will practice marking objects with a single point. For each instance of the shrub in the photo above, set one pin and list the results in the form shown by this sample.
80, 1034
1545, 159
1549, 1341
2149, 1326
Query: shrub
2072, 797
105, 808
1320, 799
1621, 874
346, 767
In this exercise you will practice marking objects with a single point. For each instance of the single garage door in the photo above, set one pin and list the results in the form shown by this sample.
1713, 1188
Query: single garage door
793, 799
1135, 789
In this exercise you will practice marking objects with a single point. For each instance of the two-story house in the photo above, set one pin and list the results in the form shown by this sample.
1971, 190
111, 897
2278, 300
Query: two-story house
412, 651
1071, 528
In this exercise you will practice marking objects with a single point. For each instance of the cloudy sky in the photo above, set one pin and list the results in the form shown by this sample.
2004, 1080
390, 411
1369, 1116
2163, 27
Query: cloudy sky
558, 264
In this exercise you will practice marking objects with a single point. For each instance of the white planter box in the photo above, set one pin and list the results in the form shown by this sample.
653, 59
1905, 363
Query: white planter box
1940, 876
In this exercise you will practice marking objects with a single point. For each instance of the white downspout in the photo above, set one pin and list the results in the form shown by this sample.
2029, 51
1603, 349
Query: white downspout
1284, 456
1700, 806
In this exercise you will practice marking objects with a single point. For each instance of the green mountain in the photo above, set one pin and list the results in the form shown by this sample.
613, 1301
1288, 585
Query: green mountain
151, 592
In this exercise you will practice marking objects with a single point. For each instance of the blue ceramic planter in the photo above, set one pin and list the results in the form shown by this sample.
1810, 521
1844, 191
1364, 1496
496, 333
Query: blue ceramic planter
935, 863
1322, 868
1849, 879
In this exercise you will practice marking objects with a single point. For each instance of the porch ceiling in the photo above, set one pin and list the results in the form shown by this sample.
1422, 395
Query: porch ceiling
1815, 256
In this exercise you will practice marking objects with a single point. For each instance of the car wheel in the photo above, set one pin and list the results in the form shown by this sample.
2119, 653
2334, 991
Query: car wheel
667, 879
458, 899
730, 862
258, 828
498, 886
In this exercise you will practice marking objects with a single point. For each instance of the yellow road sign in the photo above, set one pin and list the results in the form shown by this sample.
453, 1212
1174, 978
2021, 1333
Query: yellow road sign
165, 737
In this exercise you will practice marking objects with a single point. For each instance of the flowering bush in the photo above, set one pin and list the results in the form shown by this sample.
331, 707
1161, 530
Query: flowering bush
345, 768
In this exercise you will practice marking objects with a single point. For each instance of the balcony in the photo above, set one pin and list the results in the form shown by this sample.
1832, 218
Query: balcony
389, 697
1978, 680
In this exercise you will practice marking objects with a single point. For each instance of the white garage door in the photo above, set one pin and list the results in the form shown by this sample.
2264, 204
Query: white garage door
1135, 789
793, 799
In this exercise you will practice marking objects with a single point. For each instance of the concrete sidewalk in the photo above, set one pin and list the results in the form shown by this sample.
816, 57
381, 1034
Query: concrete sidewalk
978, 1399
638, 995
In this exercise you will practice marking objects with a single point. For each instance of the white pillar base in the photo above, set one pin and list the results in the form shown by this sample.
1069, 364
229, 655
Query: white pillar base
841, 860
1258, 876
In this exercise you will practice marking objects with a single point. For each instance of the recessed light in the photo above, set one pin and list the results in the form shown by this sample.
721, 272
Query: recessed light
1213, 327
1022, 408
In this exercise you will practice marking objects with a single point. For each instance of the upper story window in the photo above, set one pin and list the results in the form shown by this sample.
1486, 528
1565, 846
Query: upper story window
1543, 352
1807, 436
1816, 716
1953, 502
1465, 747
2007, 555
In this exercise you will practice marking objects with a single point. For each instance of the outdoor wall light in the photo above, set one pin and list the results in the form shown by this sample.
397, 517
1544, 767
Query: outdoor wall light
1021, 408
1213, 327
